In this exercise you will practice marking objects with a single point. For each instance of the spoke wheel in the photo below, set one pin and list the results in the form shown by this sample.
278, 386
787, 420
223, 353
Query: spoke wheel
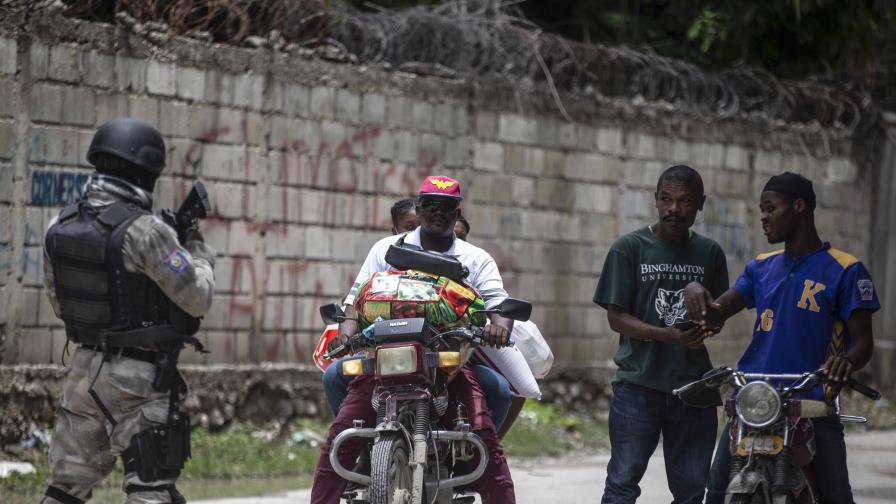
390, 474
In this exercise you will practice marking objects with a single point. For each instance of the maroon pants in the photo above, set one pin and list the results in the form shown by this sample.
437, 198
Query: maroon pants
495, 486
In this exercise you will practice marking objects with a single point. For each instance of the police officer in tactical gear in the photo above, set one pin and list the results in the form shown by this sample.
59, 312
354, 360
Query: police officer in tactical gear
130, 294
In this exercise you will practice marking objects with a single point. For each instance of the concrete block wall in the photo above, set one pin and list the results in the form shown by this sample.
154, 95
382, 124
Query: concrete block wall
304, 158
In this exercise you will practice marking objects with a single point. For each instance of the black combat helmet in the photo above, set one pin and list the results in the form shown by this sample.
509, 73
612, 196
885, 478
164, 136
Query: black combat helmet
130, 149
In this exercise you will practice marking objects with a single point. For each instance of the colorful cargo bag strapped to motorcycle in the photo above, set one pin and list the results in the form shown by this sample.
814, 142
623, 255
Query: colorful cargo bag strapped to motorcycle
443, 302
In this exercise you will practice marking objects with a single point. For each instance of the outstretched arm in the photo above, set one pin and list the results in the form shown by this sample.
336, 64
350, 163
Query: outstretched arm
708, 312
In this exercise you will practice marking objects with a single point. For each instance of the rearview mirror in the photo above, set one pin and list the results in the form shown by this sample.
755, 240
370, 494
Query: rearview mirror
704, 392
515, 309
332, 313
698, 395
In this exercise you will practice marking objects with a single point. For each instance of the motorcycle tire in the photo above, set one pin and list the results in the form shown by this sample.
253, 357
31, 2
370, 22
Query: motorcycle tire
390, 471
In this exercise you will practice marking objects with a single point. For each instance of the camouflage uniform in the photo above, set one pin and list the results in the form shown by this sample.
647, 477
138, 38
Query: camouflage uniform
85, 441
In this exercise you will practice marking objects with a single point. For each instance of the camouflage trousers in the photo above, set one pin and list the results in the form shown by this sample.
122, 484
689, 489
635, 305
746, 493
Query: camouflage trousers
85, 443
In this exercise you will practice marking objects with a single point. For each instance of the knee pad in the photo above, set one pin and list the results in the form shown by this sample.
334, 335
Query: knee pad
175, 496
159, 452
62, 496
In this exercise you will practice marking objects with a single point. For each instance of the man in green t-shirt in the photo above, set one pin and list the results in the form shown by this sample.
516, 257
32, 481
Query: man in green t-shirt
641, 286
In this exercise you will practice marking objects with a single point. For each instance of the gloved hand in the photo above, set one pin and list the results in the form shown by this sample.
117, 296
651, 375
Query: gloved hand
168, 217
335, 343
193, 234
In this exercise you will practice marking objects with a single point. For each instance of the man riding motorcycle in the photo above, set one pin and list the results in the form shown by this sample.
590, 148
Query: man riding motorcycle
438, 207
499, 393
813, 310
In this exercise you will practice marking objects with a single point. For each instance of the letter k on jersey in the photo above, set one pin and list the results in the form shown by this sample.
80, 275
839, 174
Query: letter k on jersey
807, 300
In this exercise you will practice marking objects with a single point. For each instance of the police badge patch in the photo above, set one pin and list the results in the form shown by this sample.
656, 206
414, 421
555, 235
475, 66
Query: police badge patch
177, 261
866, 289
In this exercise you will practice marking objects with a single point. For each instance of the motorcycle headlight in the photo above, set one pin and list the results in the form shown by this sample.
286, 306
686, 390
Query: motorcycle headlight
396, 360
758, 404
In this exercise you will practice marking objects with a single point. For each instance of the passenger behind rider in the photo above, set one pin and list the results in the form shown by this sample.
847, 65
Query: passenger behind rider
404, 216
438, 207
496, 388
461, 228
404, 219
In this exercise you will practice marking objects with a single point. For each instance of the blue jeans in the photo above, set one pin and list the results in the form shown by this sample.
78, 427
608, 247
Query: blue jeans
494, 386
336, 385
829, 464
497, 393
638, 415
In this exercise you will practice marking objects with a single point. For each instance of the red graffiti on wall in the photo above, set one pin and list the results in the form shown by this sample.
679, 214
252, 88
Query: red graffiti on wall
349, 183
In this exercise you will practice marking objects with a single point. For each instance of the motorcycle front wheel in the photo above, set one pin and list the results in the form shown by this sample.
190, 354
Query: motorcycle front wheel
391, 476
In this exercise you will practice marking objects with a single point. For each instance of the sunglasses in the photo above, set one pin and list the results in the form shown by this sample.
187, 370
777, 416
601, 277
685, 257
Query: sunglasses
445, 205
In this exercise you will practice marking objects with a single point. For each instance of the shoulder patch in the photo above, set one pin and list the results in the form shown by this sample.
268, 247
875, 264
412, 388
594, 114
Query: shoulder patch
177, 261
844, 259
866, 289
769, 254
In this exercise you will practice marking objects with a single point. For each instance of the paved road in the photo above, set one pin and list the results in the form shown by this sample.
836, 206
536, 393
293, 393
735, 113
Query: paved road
872, 466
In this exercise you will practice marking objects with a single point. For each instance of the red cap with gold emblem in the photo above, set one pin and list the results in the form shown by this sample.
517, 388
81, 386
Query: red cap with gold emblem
440, 186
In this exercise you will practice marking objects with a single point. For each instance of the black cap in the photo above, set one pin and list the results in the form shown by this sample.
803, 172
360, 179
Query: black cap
792, 184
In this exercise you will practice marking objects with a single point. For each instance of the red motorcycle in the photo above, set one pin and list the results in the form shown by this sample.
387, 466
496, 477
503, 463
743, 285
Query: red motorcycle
772, 440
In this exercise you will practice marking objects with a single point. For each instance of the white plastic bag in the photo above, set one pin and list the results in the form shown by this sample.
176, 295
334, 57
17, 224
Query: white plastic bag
534, 348
509, 363
530, 357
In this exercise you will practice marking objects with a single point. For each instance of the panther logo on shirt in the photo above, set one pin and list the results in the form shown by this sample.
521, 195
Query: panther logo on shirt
670, 305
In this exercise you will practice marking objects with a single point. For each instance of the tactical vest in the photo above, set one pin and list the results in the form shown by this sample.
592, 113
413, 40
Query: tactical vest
100, 302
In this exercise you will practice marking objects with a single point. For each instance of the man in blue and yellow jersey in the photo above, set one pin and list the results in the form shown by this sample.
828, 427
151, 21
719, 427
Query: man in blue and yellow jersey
813, 305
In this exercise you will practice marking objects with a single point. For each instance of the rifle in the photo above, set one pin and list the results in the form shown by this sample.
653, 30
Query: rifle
196, 206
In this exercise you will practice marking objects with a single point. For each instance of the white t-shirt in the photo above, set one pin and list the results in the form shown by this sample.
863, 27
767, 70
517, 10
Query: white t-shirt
484, 275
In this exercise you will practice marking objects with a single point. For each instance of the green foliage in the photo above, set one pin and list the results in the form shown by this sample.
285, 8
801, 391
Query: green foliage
31, 484
708, 28
790, 38
544, 430
238, 461
240, 452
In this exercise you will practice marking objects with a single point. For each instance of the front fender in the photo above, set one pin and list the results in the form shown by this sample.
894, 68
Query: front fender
746, 482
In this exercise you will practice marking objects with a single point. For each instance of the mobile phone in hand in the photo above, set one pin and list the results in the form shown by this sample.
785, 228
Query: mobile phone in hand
684, 326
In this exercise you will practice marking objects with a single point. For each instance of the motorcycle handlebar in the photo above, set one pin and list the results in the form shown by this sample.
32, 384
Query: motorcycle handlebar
863, 389
342, 349
801, 382
810, 380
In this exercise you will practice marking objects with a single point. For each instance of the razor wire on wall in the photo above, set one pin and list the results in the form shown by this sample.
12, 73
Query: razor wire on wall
488, 41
